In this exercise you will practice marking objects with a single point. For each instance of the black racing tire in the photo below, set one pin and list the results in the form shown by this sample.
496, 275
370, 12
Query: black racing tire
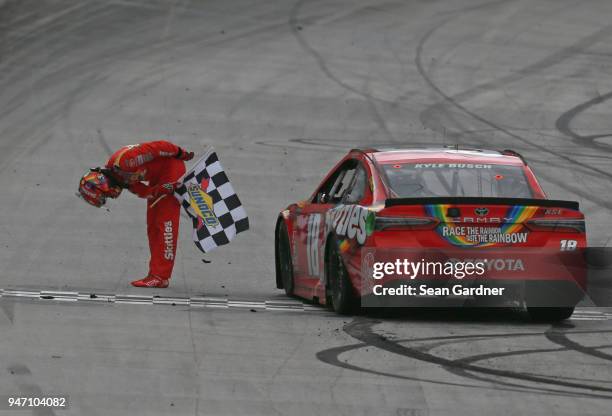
284, 261
550, 314
341, 293
599, 257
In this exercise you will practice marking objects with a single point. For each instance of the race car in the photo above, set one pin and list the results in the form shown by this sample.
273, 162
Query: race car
432, 205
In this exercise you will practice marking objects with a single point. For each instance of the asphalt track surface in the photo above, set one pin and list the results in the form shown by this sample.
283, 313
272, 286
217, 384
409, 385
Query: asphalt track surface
282, 90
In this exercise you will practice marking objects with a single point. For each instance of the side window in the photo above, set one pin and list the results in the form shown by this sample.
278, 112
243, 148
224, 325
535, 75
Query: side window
357, 190
342, 186
322, 196
334, 189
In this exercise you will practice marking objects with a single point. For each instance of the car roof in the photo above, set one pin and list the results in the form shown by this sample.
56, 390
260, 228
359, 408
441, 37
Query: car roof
446, 155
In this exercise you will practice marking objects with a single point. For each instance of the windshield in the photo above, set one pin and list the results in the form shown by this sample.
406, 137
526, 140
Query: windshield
415, 180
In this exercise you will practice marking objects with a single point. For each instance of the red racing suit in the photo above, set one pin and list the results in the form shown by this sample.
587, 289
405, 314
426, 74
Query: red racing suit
156, 163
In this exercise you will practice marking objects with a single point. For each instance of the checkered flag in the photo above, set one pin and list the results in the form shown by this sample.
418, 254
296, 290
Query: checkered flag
208, 197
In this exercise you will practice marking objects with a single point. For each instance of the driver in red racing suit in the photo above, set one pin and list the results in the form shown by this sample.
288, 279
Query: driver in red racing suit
161, 164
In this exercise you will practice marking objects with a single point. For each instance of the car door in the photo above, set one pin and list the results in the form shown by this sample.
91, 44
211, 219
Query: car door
357, 193
311, 224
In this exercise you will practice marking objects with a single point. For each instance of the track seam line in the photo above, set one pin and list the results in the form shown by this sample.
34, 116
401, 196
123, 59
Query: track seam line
279, 305
193, 302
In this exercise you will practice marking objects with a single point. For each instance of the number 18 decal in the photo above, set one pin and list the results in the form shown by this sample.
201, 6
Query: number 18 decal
568, 245
312, 244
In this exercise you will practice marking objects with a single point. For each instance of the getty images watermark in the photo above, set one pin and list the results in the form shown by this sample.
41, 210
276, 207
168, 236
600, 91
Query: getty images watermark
407, 269
454, 276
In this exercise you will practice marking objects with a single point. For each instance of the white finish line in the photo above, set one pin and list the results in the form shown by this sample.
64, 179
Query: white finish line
195, 302
581, 314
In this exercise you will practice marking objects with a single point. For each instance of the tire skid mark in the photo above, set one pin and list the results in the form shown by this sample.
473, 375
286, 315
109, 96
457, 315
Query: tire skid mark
494, 355
563, 123
370, 99
361, 330
496, 335
332, 356
454, 100
324, 67
51, 113
561, 338
315, 144
547, 62
47, 31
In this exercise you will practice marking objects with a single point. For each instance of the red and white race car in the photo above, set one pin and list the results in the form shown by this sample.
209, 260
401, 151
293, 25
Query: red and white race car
429, 204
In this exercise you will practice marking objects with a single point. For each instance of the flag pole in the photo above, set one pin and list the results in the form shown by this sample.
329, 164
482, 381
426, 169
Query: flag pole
156, 201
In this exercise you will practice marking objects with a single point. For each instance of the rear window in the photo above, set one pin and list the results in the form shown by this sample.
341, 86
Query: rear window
415, 180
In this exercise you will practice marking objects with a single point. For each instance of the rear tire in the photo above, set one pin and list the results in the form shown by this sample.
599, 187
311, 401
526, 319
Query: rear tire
285, 263
554, 314
342, 296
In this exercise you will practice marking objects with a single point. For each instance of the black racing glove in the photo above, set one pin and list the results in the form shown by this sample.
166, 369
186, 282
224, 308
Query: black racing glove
183, 154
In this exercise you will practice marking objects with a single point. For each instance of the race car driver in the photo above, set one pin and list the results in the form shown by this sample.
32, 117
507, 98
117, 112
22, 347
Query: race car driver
161, 164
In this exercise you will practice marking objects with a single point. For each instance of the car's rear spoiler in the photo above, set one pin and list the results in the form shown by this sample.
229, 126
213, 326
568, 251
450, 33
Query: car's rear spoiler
463, 200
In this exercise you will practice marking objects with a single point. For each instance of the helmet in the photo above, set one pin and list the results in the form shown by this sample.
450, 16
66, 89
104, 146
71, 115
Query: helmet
95, 187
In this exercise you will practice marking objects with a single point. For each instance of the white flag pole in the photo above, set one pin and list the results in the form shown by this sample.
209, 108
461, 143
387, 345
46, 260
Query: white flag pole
207, 151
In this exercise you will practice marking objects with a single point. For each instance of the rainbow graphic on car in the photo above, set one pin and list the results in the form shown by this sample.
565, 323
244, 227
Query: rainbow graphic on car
507, 232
